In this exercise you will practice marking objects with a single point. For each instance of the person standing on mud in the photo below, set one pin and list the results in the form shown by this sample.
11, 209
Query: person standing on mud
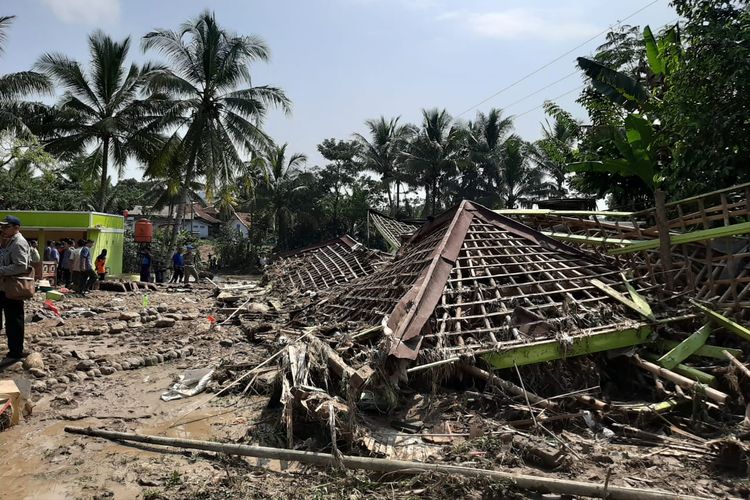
75, 265
178, 266
88, 275
64, 274
190, 265
101, 265
146, 265
13, 262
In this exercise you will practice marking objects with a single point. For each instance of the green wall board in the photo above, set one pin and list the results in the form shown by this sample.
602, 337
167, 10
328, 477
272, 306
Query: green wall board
550, 350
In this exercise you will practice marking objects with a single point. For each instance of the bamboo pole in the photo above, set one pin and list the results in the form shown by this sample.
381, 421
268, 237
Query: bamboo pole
678, 379
528, 482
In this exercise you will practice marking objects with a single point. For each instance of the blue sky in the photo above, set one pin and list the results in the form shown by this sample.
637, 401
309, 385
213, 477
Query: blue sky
344, 61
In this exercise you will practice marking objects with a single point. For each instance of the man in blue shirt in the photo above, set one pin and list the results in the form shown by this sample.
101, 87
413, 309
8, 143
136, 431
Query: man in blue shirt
88, 274
178, 266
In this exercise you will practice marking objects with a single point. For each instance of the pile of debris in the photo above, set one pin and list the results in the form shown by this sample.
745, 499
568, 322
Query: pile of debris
487, 348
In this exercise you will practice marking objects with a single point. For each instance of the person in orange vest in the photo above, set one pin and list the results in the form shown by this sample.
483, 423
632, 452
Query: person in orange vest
101, 265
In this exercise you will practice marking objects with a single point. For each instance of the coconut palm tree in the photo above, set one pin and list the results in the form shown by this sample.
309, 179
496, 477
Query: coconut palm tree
102, 115
519, 181
383, 154
435, 154
13, 87
486, 141
556, 149
214, 101
280, 181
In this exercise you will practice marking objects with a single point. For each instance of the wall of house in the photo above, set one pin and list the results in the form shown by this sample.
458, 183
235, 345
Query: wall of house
235, 225
114, 242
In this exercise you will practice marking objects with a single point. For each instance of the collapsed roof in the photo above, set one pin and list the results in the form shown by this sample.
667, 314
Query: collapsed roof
472, 280
324, 265
392, 230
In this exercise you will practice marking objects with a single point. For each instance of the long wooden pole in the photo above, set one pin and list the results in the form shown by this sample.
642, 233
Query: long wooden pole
533, 483
678, 379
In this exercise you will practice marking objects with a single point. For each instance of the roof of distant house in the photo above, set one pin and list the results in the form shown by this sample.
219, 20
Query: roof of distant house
244, 218
206, 213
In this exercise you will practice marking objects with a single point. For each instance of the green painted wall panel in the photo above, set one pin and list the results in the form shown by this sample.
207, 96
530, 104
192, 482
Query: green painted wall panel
50, 219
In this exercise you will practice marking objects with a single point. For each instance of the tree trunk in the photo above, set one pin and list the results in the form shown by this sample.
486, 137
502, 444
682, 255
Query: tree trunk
434, 195
103, 182
398, 196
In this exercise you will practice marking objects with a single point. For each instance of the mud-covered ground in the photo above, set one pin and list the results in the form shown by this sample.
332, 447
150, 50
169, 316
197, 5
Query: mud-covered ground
111, 357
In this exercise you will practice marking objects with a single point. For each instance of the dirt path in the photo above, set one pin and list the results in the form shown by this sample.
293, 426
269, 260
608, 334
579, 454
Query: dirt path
40, 461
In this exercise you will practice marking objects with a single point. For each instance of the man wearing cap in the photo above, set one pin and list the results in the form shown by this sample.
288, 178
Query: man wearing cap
13, 262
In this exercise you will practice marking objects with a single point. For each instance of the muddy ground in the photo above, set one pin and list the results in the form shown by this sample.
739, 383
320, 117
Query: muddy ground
109, 362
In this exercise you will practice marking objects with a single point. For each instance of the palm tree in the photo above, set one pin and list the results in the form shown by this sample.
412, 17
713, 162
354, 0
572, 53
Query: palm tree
279, 185
519, 180
486, 141
15, 86
556, 149
435, 154
383, 153
102, 109
214, 99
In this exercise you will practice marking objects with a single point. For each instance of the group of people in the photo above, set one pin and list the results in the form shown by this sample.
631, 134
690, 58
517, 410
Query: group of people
184, 265
75, 267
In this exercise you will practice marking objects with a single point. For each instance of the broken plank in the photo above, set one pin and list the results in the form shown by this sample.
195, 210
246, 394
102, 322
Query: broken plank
549, 350
724, 321
646, 312
686, 348
705, 351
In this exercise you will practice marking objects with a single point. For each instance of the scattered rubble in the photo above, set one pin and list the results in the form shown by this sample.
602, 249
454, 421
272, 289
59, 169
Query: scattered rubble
483, 347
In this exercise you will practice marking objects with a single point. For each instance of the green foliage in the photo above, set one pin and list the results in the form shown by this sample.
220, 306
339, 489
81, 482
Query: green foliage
235, 251
671, 110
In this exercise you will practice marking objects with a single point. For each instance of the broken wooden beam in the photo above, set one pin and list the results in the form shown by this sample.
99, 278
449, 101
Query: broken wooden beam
722, 320
705, 351
680, 380
524, 481
356, 379
680, 239
686, 348
549, 350
643, 311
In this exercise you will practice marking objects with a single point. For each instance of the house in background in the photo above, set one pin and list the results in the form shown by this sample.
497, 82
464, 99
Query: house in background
201, 221
240, 221
106, 230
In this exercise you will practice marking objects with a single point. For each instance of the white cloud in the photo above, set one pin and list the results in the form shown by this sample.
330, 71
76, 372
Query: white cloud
95, 12
510, 24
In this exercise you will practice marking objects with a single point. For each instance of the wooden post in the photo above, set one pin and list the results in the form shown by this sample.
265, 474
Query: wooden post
662, 224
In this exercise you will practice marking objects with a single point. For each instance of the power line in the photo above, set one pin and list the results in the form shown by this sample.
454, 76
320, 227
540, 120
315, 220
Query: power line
574, 72
526, 77
552, 99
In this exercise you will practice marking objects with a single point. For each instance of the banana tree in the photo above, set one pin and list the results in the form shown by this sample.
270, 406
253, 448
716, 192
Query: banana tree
639, 154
